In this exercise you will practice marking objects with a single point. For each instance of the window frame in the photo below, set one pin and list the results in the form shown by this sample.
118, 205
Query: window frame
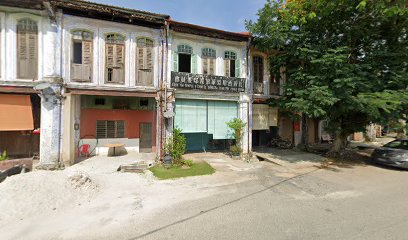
2, 45
228, 57
209, 56
262, 70
109, 71
149, 72
71, 56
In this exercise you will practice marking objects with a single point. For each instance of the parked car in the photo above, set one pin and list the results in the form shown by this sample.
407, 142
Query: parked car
394, 154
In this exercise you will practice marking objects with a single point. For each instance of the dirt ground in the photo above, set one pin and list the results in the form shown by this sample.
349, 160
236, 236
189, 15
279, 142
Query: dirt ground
83, 199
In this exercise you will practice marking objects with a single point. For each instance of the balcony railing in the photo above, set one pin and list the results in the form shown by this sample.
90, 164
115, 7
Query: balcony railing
207, 82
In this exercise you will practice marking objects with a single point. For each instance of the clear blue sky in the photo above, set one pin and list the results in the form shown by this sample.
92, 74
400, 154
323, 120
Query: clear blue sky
227, 15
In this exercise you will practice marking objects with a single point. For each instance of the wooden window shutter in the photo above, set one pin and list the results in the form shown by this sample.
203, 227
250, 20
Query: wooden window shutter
205, 66
237, 68
227, 67
27, 50
212, 66
194, 63
87, 60
110, 59
175, 61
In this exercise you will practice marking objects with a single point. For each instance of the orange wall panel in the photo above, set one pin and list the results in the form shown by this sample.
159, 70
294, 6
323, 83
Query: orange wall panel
132, 119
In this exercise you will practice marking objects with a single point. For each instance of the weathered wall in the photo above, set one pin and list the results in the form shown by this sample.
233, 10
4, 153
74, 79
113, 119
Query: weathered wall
132, 120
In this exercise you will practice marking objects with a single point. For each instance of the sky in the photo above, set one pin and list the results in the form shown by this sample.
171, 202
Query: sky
228, 15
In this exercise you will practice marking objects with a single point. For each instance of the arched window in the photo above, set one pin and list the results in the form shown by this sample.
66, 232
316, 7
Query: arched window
81, 58
144, 61
208, 56
115, 58
27, 49
183, 59
230, 63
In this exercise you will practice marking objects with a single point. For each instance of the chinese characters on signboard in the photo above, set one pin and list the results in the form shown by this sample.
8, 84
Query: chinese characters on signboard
207, 82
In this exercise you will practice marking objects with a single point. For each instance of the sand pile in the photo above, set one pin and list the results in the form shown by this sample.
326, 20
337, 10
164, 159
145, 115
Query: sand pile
40, 192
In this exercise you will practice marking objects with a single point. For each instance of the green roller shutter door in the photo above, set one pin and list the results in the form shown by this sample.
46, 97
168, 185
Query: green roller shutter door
191, 115
219, 113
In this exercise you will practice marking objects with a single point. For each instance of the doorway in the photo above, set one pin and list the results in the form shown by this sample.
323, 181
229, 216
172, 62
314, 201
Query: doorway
145, 144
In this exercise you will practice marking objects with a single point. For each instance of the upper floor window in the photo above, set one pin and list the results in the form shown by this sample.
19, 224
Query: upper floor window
27, 49
144, 61
183, 58
114, 58
258, 68
230, 61
208, 56
81, 60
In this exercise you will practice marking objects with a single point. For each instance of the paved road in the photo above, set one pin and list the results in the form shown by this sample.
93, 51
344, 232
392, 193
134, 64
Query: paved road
357, 202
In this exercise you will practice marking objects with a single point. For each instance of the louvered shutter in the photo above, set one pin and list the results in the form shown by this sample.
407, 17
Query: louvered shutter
119, 69
205, 66
110, 55
194, 63
149, 65
227, 68
237, 68
87, 60
212, 66
175, 61
145, 65
27, 53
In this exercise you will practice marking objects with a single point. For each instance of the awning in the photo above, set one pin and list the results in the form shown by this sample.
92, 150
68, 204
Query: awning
15, 113
112, 93
263, 117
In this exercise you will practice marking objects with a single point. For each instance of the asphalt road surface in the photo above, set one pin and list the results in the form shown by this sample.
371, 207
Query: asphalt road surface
355, 202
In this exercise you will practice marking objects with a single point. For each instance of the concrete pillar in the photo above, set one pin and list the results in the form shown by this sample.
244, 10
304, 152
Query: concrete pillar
50, 127
70, 129
244, 114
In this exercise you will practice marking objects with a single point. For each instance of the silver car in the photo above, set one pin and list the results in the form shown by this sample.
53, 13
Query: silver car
394, 154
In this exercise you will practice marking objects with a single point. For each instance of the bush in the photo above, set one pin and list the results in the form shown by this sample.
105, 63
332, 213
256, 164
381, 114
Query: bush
3, 156
237, 125
176, 146
187, 162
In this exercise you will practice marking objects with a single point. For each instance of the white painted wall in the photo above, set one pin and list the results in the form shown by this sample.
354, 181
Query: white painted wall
100, 28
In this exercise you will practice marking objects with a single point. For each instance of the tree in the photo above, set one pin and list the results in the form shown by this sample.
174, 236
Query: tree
346, 61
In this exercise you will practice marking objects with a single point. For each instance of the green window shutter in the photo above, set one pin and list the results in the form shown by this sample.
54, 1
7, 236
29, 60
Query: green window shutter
191, 115
194, 63
219, 113
237, 68
175, 61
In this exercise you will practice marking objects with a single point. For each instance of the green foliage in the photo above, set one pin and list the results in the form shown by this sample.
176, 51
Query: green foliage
237, 125
188, 162
346, 61
3, 156
197, 169
176, 146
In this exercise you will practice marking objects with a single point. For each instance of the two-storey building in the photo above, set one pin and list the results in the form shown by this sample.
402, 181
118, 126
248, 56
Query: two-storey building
210, 84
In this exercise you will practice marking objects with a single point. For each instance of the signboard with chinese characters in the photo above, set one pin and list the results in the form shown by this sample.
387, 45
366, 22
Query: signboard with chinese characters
207, 82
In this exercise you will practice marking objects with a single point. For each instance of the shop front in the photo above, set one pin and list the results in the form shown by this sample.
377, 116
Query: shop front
19, 116
204, 123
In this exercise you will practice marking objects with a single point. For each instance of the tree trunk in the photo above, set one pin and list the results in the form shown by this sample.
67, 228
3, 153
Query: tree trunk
305, 132
339, 143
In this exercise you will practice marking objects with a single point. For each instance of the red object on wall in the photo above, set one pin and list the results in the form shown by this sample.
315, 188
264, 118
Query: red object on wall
36, 131
296, 126
132, 119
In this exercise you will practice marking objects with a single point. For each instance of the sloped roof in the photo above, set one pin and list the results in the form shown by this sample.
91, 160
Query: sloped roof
94, 10
207, 32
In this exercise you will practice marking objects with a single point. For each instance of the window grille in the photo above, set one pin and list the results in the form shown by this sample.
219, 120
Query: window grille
184, 49
110, 129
